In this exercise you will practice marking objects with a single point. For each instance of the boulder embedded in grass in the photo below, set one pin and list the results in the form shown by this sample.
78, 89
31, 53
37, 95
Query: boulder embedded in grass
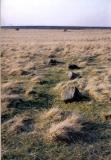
71, 95
69, 91
73, 66
73, 75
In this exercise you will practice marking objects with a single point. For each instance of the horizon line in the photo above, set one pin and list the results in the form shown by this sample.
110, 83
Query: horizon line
52, 26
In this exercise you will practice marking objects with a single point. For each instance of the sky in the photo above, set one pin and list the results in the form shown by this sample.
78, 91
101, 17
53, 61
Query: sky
56, 12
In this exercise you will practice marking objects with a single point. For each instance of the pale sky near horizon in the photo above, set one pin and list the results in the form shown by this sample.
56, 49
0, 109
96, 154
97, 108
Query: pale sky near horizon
56, 12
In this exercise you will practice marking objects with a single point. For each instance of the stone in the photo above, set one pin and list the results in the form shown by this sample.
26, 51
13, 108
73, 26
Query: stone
70, 95
73, 75
17, 29
53, 62
73, 66
24, 73
51, 56
65, 30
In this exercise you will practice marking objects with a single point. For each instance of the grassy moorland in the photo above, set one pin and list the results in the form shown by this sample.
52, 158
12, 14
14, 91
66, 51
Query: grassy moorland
36, 123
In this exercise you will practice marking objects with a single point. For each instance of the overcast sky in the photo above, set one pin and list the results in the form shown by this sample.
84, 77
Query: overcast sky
56, 12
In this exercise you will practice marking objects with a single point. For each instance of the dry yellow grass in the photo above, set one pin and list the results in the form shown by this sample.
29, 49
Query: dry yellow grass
60, 125
37, 79
54, 113
23, 54
65, 129
20, 124
14, 87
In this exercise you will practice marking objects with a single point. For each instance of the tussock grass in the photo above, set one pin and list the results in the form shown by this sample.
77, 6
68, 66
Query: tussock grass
60, 124
37, 79
20, 124
64, 130
13, 88
54, 112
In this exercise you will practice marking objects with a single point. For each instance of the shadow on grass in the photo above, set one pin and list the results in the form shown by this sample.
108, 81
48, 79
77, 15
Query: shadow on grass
90, 133
43, 100
15, 106
49, 82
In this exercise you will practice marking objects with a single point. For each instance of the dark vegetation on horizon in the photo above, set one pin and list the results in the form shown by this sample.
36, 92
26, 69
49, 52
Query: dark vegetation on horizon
54, 27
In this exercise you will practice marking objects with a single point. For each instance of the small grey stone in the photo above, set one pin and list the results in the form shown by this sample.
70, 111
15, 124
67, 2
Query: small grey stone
53, 62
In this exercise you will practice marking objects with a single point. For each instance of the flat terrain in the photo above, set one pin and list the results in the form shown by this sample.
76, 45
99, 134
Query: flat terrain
36, 123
